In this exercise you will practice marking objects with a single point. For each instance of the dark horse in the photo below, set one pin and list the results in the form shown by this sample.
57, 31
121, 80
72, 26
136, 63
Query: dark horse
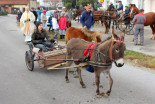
106, 52
150, 19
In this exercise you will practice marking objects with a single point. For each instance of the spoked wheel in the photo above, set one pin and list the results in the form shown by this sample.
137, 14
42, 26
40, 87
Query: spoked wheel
29, 60
125, 26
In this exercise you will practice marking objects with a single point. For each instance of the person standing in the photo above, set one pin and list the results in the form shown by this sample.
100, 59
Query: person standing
50, 22
19, 14
68, 24
139, 19
27, 24
39, 11
111, 7
87, 18
35, 14
44, 19
55, 27
62, 25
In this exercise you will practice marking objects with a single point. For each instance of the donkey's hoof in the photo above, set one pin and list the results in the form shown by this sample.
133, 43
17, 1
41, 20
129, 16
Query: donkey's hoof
108, 93
83, 86
98, 96
104, 94
67, 81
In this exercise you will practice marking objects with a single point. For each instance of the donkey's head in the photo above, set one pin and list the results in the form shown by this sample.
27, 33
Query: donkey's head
117, 48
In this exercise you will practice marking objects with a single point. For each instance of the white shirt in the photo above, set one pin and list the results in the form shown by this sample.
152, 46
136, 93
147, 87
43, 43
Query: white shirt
55, 23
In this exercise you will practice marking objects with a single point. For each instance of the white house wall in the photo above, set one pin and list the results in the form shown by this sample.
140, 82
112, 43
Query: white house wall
149, 6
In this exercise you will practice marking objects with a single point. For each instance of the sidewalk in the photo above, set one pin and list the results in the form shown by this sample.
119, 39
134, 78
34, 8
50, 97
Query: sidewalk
149, 45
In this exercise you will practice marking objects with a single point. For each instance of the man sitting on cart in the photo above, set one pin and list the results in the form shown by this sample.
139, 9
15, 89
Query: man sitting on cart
39, 36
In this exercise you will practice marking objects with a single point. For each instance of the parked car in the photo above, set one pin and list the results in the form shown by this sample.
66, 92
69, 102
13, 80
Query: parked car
59, 9
48, 13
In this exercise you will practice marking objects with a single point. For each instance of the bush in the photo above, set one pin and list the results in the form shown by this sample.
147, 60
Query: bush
13, 12
3, 13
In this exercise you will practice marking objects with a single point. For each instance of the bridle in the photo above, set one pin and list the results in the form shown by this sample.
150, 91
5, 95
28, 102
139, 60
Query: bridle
134, 13
98, 53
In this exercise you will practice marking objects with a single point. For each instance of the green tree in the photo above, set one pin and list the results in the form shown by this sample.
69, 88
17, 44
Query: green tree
84, 2
68, 5
72, 2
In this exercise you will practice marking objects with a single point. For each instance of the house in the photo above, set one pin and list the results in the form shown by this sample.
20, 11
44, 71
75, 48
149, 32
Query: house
53, 3
14, 5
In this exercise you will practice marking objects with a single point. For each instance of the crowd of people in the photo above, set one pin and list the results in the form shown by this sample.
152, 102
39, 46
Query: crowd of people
33, 24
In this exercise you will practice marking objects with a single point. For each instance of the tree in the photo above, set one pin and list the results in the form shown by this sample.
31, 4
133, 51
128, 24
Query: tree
84, 2
68, 2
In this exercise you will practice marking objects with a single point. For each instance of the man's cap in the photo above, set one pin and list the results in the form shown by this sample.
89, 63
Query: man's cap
126, 5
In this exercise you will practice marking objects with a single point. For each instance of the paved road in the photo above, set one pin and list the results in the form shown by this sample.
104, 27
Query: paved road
20, 86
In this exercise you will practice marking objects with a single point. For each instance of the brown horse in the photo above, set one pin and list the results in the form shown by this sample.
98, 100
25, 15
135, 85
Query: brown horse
150, 19
83, 33
103, 55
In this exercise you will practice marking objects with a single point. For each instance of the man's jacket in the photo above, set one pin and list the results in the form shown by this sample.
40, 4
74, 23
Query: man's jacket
120, 7
87, 19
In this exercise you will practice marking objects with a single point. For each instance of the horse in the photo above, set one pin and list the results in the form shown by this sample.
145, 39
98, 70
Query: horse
77, 13
100, 16
83, 33
149, 19
102, 56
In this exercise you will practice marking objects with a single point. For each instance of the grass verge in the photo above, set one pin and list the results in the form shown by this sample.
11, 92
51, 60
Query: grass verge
140, 59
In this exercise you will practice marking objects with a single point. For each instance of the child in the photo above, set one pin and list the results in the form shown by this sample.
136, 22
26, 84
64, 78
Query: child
50, 22
62, 25
55, 27
44, 19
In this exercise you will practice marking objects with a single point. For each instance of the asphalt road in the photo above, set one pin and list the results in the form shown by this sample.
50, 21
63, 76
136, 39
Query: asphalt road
20, 86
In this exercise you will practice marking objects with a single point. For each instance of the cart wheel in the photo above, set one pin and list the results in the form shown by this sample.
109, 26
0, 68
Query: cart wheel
122, 26
125, 26
29, 60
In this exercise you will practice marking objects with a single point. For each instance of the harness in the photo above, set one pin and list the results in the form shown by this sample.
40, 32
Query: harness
98, 60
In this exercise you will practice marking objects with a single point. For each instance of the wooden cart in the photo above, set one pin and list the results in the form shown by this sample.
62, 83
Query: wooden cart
45, 59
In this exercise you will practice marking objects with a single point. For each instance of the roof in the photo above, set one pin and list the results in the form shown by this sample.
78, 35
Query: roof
13, 2
51, 0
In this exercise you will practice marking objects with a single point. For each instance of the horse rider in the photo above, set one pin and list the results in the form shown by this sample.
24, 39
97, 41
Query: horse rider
120, 7
127, 11
111, 7
139, 19
87, 18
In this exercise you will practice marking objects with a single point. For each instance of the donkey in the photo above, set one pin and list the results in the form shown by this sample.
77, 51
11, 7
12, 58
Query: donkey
106, 52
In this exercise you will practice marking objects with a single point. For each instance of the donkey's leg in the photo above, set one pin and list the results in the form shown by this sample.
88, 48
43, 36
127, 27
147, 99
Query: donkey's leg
110, 83
68, 63
80, 78
97, 81
152, 28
